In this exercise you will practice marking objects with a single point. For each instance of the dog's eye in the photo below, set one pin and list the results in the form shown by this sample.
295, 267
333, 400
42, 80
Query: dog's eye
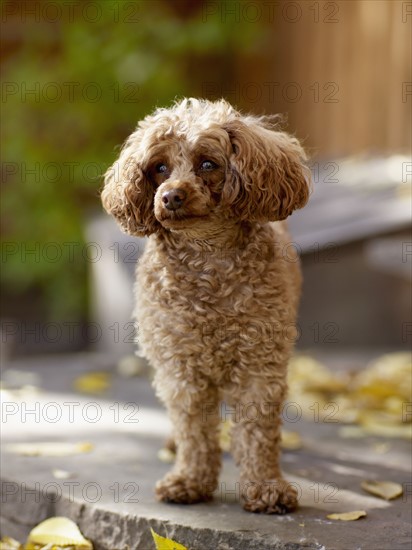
161, 168
207, 165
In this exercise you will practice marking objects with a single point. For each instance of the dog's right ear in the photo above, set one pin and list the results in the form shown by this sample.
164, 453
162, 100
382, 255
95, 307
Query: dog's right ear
128, 195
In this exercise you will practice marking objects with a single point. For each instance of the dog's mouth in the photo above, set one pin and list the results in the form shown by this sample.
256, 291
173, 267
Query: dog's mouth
176, 220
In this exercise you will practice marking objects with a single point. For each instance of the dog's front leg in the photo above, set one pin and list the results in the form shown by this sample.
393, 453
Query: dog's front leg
256, 441
195, 418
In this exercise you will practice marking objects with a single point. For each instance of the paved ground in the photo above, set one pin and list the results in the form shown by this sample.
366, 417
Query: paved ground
110, 491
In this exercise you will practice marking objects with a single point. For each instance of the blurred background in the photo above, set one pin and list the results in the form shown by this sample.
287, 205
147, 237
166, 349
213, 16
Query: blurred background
76, 78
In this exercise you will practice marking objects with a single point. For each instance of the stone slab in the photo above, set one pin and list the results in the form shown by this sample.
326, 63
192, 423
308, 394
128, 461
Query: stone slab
110, 494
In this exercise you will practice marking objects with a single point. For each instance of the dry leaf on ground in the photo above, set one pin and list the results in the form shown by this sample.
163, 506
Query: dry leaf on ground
225, 435
92, 382
383, 489
309, 375
348, 516
132, 365
62, 474
163, 543
373, 398
60, 531
7, 543
166, 455
374, 427
290, 440
350, 432
49, 448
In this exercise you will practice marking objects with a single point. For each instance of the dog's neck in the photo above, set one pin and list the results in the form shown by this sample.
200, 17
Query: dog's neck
224, 235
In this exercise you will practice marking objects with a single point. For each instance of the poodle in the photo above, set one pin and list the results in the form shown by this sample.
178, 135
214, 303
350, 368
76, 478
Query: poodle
217, 287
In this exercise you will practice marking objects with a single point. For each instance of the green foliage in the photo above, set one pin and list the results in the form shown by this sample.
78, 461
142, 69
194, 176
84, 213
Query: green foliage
92, 81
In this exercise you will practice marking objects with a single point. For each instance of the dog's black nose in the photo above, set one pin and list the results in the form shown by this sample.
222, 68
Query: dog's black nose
173, 199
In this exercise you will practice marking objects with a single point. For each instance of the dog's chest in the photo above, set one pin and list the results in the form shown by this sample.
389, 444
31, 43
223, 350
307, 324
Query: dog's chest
204, 283
195, 306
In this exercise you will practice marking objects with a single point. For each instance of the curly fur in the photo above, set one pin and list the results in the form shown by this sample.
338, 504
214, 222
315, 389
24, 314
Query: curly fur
216, 290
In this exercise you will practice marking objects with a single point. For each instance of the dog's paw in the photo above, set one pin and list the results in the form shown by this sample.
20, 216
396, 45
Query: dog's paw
180, 489
274, 496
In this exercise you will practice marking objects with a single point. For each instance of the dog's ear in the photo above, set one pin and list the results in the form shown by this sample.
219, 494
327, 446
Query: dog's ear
268, 179
128, 195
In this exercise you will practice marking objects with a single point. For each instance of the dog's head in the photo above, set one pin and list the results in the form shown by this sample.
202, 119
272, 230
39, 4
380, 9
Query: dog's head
202, 161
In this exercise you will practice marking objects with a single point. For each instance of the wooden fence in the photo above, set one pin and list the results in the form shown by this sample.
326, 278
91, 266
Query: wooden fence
342, 72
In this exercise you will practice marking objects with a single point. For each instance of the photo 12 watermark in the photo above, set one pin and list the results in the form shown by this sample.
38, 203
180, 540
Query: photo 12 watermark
272, 91
89, 492
69, 92
268, 11
71, 11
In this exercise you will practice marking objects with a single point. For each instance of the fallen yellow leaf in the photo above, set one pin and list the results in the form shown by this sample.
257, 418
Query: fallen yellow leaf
92, 382
49, 449
225, 435
61, 474
132, 365
348, 516
355, 432
60, 531
290, 440
166, 455
381, 448
403, 431
373, 398
389, 375
166, 544
384, 489
7, 543
307, 373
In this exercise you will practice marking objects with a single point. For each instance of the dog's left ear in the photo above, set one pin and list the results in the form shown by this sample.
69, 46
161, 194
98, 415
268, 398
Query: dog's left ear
269, 179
